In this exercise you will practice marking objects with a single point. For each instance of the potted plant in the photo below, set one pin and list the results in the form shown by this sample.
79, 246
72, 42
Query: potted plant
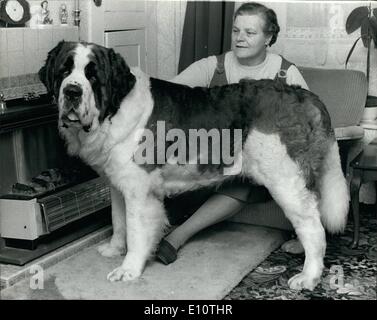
365, 18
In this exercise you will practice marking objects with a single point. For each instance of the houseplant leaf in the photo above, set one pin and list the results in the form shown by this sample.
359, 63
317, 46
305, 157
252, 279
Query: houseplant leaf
373, 29
364, 32
356, 18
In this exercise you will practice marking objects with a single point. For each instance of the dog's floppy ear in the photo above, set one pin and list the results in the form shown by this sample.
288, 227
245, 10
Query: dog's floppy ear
121, 79
46, 73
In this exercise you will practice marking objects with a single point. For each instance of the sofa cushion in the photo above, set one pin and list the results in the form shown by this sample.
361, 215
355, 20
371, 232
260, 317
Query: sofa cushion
344, 93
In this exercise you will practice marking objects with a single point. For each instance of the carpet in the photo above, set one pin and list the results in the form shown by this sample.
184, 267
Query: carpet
348, 274
208, 267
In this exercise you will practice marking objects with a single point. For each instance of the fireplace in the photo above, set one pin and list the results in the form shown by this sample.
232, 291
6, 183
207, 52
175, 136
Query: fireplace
47, 198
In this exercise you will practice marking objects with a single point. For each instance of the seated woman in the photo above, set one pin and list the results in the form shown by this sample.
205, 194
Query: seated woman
255, 27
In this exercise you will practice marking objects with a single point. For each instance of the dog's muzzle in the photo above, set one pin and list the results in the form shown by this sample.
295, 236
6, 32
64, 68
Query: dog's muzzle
72, 96
72, 99
72, 92
71, 119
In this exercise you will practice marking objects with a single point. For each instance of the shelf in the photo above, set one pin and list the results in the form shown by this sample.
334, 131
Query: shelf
21, 114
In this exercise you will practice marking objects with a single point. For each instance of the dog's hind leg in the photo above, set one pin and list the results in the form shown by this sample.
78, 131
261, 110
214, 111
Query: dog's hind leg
300, 206
146, 221
117, 244
267, 161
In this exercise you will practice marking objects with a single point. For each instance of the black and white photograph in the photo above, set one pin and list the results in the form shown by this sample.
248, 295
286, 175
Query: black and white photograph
203, 151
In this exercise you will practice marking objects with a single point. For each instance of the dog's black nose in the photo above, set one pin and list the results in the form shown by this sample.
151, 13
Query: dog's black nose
72, 91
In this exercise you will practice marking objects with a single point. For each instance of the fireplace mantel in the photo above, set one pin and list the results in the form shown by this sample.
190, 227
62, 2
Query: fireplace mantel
21, 114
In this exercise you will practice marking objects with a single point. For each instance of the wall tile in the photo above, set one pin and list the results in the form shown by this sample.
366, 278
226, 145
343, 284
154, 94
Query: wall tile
45, 39
32, 64
30, 40
57, 35
24, 51
42, 56
4, 70
15, 39
16, 63
3, 40
71, 34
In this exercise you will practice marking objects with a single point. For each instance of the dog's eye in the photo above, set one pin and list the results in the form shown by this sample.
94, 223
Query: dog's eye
90, 72
67, 67
68, 63
64, 72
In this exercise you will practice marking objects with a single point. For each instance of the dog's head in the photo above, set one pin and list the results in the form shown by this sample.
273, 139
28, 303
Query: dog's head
88, 82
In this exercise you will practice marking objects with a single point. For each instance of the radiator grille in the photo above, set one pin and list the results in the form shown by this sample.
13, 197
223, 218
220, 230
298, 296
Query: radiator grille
74, 203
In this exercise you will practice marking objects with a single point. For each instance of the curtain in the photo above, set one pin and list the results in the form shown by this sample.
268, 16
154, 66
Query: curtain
206, 31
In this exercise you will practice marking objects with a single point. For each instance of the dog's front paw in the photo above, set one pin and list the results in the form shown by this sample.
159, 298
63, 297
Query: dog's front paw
107, 250
303, 281
123, 273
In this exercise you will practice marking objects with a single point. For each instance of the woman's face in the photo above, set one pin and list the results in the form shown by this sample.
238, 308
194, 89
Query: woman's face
248, 38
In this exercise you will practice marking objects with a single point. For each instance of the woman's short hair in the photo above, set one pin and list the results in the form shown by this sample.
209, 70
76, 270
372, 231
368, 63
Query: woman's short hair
271, 26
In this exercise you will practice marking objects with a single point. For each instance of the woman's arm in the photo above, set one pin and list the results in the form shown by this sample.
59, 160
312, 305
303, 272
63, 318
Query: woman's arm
198, 74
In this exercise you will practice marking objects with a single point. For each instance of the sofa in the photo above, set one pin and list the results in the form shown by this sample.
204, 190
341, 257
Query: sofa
344, 93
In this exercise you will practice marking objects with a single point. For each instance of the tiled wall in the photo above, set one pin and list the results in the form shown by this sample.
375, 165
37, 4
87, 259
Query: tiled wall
23, 50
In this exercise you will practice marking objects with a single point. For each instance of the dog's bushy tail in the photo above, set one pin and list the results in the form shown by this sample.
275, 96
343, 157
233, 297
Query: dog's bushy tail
334, 193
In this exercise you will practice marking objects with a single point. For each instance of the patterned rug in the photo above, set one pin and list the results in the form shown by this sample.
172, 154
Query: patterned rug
348, 274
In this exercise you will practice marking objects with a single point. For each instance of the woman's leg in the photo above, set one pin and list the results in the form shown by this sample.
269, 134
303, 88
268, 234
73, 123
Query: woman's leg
216, 209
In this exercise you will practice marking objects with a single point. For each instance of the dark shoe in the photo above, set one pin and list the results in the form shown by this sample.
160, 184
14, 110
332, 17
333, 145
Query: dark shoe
293, 246
166, 253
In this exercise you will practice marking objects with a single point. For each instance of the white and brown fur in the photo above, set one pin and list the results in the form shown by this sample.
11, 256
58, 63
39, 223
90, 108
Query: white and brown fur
288, 146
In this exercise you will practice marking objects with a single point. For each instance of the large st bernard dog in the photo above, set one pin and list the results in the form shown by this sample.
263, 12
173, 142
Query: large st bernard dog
288, 145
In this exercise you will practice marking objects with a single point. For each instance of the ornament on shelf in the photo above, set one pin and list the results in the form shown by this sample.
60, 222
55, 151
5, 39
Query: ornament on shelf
63, 14
45, 13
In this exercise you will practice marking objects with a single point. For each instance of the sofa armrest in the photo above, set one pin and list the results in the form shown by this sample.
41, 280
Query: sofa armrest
349, 133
